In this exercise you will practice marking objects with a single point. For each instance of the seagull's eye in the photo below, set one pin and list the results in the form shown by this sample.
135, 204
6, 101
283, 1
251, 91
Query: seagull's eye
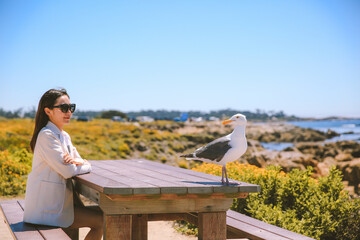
237, 117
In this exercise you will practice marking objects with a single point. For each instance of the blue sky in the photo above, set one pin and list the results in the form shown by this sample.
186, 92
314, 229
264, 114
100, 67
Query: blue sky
302, 57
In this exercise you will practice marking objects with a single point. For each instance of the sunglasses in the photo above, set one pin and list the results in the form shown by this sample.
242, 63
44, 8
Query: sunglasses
66, 107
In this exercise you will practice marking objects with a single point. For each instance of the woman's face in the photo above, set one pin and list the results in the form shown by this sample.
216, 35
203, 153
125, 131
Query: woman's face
56, 116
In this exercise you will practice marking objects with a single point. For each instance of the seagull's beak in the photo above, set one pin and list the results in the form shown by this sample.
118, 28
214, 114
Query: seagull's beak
227, 121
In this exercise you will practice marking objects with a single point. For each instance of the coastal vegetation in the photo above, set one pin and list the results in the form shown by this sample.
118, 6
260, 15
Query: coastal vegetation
318, 208
305, 188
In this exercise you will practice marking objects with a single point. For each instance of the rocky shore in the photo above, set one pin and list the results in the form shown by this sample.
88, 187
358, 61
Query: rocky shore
309, 148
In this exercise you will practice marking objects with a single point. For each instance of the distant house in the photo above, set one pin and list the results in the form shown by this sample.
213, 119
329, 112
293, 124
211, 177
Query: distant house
117, 119
212, 118
197, 119
144, 119
83, 119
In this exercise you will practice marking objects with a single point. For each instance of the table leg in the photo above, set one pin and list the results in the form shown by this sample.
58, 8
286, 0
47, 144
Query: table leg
212, 226
117, 227
140, 227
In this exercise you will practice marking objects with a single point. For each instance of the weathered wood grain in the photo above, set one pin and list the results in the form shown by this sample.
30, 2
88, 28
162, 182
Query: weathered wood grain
148, 177
172, 196
139, 227
163, 206
14, 213
117, 227
240, 225
212, 225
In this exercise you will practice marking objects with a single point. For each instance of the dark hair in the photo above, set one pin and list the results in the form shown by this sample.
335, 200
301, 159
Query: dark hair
47, 100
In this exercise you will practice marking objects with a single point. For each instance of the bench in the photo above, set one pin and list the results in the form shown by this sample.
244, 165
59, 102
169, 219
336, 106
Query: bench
13, 211
242, 226
238, 225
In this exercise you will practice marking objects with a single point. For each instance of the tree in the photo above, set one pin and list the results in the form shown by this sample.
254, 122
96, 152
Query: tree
112, 113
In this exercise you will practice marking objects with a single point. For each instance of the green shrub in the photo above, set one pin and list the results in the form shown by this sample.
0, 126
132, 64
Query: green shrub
316, 208
14, 168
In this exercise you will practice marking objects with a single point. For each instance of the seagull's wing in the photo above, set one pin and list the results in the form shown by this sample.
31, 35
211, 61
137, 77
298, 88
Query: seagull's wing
215, 150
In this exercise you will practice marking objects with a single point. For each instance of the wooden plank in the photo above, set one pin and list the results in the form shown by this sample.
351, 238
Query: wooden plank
172, 196
166, 183
206, 178
212, 226
140, 227
127, 177
103, 184
48, 232
163, 206
218, 186
117, 227
191, 183
14, 217
194, 184
188, 176
242, 229
140, 173
264, 226
87, 192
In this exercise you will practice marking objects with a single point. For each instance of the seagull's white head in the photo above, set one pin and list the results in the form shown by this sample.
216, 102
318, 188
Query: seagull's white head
237, 119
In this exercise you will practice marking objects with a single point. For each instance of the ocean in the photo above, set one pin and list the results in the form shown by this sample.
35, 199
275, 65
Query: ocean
348, 130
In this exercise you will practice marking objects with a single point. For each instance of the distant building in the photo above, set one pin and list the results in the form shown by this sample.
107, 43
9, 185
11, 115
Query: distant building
117, 119
83, 119
144, 119
197, 119
212, 118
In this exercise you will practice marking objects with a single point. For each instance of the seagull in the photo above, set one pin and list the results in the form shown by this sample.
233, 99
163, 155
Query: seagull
225, 149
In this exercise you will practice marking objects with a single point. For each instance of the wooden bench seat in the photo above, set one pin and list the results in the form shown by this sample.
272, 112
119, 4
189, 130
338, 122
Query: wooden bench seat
238, 226
242, 226
14, 212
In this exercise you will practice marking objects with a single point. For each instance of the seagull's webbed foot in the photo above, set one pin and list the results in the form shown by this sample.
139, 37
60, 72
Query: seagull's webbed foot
227, 182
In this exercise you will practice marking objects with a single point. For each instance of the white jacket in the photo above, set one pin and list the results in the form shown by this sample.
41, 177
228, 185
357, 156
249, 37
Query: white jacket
49, 193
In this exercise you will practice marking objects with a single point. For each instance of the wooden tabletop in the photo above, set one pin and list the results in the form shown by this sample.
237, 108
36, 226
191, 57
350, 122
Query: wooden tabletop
132, 192
144, 177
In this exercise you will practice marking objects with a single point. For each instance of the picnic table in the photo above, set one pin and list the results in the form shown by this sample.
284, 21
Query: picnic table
133, 192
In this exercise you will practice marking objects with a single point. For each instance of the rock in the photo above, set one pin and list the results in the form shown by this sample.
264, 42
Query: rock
331, 134
309, 161
258, 158
141, 146
329, 161
314, 149
323, 168
290, 134
343, 157
330, 152
287, 160
348, 145
254, 144
352, 172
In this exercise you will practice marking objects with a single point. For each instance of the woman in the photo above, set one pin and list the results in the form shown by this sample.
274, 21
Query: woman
49, 193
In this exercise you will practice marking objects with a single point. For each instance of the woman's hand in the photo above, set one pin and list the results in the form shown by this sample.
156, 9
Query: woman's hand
86, 162
68, 159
